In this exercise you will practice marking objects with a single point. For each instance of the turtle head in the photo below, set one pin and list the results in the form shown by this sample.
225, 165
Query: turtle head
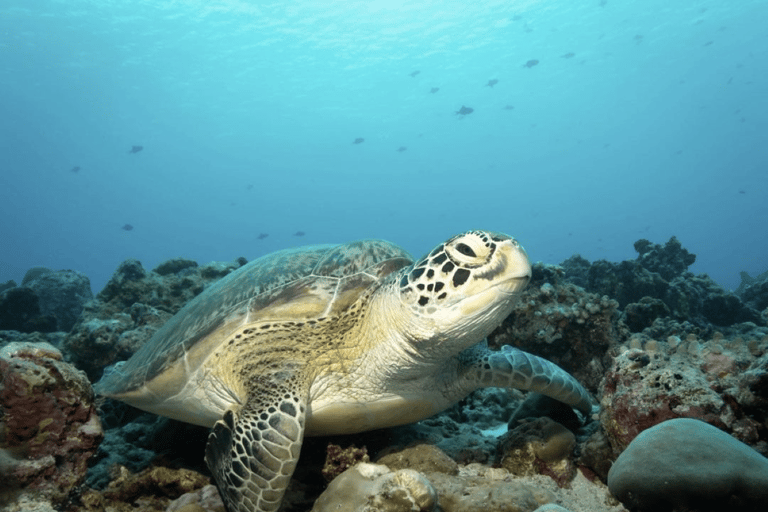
463, 289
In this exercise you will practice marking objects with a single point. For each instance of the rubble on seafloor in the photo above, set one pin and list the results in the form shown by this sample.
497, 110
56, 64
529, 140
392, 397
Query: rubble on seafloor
650, 340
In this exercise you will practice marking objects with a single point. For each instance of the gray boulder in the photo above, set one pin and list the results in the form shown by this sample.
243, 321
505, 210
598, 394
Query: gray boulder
62, 294
688, 463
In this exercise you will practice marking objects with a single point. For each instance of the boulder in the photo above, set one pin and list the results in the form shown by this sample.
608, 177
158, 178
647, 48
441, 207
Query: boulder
688, 463
62, 294
20, 311
374, 488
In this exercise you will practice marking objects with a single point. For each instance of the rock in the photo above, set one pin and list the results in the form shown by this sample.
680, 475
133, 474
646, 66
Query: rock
126, 286
596, 454
487, 408
33, 273
160, 482
62, 294
577, 270
95, 343
49, 428
219, 269
205, 499
20, 311
689, 463
174, 266
463, 442
374, 488
340, 459
127, 446
488, 489
540, 447
7, 285
53, 338
551, 507
425, 458
754, 291
537, 405
153, 490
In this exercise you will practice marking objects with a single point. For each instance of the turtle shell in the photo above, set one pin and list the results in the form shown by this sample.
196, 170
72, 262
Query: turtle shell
298, 284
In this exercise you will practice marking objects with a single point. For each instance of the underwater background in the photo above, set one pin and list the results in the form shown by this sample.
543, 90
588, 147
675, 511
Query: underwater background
217, 129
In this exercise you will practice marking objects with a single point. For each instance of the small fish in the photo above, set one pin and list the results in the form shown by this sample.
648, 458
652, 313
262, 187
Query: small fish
741, 191
127, 227
249, 187
262, 236
531, 63
358, 140
463, 111
491, 82
74, 169
412, 75
568, 55
136, 149
299, 233
401, 149
434, 90
509, 107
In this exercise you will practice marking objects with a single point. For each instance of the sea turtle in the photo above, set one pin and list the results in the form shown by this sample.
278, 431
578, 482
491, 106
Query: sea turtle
333, 339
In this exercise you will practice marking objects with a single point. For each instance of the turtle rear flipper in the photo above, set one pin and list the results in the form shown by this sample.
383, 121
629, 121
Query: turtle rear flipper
252, 452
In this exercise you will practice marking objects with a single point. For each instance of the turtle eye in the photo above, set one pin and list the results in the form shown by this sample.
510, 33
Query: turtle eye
466, 250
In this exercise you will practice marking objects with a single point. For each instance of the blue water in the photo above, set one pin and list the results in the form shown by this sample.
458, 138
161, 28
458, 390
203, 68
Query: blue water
657, 125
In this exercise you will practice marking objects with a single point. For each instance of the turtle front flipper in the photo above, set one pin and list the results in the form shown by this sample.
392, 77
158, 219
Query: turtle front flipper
510, 367
253, 451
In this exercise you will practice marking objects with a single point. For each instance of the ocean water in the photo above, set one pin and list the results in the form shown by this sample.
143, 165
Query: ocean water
610, 121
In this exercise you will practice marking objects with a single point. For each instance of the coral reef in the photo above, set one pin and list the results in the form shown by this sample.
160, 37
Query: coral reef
719, 381
651, 340
660, 274
49, 428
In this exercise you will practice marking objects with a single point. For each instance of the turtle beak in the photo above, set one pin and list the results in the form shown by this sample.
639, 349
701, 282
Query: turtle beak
518, 266
513, 269
515, 285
